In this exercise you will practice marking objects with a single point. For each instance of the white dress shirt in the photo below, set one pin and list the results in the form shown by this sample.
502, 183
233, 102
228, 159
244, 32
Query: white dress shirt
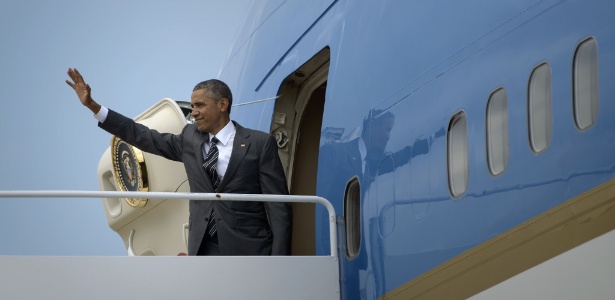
226, 136
363, 153
101, 116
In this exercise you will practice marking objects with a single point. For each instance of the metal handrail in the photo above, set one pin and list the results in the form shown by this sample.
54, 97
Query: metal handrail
184, 196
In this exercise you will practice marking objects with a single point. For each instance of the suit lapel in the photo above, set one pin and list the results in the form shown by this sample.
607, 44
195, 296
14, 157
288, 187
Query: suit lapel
240, 148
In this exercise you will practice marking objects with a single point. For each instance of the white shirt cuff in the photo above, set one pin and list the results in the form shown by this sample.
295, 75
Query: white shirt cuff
101, 116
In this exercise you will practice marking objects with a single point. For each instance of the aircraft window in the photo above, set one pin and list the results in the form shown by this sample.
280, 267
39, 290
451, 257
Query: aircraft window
539, 108
497, 131
458, 154
585, 77
352, 217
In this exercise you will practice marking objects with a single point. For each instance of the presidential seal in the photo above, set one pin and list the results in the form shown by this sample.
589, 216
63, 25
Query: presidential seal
129, 170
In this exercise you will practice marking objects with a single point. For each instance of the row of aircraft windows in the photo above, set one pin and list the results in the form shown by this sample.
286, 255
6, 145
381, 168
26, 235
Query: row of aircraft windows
539, 116
540, 125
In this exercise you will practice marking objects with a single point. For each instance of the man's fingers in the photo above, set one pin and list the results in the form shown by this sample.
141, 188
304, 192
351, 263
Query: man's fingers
71, 74
78, 76
83, 89
75, 76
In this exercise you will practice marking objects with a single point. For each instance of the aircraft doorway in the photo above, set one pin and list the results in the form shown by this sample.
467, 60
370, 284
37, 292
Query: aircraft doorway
297, 126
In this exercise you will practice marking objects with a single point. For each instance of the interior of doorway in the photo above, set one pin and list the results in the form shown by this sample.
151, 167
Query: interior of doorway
304, 174
297, 127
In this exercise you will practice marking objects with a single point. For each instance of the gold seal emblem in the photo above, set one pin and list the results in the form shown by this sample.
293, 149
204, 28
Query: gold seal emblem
129, 170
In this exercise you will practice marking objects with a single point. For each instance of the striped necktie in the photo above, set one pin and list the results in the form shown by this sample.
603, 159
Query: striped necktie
211, 161
210, 166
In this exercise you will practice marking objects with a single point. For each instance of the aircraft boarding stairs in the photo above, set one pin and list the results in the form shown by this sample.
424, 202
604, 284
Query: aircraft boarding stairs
171, 277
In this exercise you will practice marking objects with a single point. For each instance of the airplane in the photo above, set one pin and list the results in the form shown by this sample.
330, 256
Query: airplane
461, 144
503, 107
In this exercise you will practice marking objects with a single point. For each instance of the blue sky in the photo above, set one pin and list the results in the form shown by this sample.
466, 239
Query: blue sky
132, 53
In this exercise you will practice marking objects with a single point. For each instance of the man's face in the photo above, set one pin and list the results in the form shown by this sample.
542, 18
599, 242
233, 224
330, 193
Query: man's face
380, 133
209, 115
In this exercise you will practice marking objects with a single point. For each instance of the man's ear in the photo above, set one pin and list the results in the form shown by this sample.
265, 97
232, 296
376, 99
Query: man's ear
223, 104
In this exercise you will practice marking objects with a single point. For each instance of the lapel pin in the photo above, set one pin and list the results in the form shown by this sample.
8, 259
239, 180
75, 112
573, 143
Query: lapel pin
243, 145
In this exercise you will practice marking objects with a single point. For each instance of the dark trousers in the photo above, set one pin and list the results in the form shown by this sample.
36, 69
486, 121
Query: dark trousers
209, 245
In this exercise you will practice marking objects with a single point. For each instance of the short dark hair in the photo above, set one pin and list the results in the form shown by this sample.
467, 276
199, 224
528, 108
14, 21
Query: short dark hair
375, 115
217, 90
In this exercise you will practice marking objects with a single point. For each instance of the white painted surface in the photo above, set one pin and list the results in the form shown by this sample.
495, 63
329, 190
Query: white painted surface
169, 277
209, 277
585, 272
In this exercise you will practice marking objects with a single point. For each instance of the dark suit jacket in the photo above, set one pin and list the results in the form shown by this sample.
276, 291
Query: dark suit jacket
244, 228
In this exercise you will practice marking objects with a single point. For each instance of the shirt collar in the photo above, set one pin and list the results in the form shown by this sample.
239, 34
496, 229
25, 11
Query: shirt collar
362, 149
225, 134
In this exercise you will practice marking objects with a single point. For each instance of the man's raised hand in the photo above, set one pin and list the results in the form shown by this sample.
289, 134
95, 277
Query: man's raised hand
83, 90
